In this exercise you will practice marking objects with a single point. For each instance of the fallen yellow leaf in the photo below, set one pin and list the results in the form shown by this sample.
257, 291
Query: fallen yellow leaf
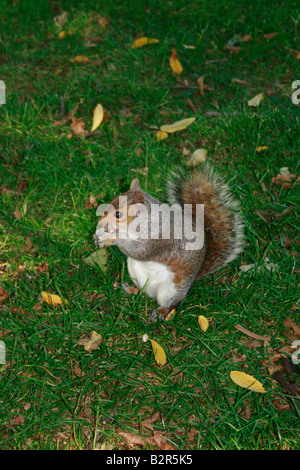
62, 34
53, 299
256, 100
140, 42
97, 258
260, 149
174, 63
159, 353
177, 126
160, 135
246, 381
170, 314
97, 117
80, 59
93, 342
203, 323
199, 156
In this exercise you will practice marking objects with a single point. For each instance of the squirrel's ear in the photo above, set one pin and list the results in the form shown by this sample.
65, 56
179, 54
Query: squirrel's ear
138, 198
135, 185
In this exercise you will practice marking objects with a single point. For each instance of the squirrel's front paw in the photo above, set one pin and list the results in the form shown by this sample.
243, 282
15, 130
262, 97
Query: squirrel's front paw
126, 288
159, 313
153, 317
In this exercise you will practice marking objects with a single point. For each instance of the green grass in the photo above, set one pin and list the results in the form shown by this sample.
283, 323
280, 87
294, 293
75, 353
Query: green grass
46, 403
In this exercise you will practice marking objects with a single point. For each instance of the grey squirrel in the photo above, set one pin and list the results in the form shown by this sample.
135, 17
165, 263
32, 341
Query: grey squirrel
165, 267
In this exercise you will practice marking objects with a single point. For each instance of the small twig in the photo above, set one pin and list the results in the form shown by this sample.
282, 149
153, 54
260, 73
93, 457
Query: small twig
213, 61
190, 87
62, 108
266, 339
192, 106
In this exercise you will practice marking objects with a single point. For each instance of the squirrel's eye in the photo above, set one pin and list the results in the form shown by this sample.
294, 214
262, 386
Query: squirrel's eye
119, 214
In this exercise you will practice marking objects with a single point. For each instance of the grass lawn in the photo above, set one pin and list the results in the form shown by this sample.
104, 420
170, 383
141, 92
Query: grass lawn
55, 394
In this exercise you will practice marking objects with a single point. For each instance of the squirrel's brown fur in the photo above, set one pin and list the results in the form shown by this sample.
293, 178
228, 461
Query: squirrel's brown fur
222, 219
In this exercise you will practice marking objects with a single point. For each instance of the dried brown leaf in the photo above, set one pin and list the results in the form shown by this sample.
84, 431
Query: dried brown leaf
3, 296
162, 442
285, 181
247, 38
17, 421
133, 439
291, 324
78, 127
200, 82
232, 49
273, 368
239, 82
192, 106
281, 406
147, 423
270, 35
102, 21
294, 53
17, 214
78, 371
192, 434
42, 268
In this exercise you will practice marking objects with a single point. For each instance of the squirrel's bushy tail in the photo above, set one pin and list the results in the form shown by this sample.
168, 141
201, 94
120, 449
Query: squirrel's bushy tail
222, 219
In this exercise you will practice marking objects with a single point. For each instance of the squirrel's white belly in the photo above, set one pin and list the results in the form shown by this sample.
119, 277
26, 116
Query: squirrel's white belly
155, 278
